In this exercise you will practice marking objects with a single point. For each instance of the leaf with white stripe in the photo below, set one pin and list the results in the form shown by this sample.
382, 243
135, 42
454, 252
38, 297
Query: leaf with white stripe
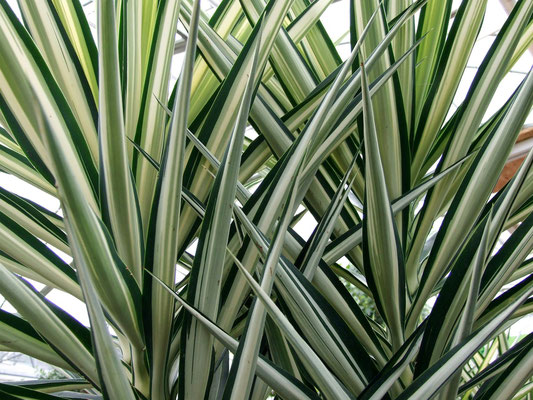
40, 86
328, 384
113, 374
281, 382
115, 285
50, 36
119, 200
474, 191
433, 379
18, 335
383, 254
51, 325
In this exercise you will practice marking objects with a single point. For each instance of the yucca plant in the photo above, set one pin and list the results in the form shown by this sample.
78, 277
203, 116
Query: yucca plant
178, 202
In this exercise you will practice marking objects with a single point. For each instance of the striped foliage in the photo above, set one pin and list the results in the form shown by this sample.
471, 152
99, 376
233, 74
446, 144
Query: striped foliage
179, 201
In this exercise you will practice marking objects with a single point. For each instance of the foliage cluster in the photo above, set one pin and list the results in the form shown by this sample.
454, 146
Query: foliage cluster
370, 146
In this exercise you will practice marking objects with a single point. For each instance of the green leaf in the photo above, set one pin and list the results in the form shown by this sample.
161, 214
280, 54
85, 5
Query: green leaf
384, 267
472, 194
119, 201
205, 284
136, 31
470, 113
18, 335
39, 84
19, 166
394, 368
50, 36
20, 245
429, 383
91, 242
34, 218
241, 375
113, 379
329, 384
283, 383
438, 91
434, 21
54, 385
77, 28
288, 64
322, 233
388, 128
447, 310
23, 393
50, 325
509, 381
500, 364
160, 27
322, 326
505, 262
163, 246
